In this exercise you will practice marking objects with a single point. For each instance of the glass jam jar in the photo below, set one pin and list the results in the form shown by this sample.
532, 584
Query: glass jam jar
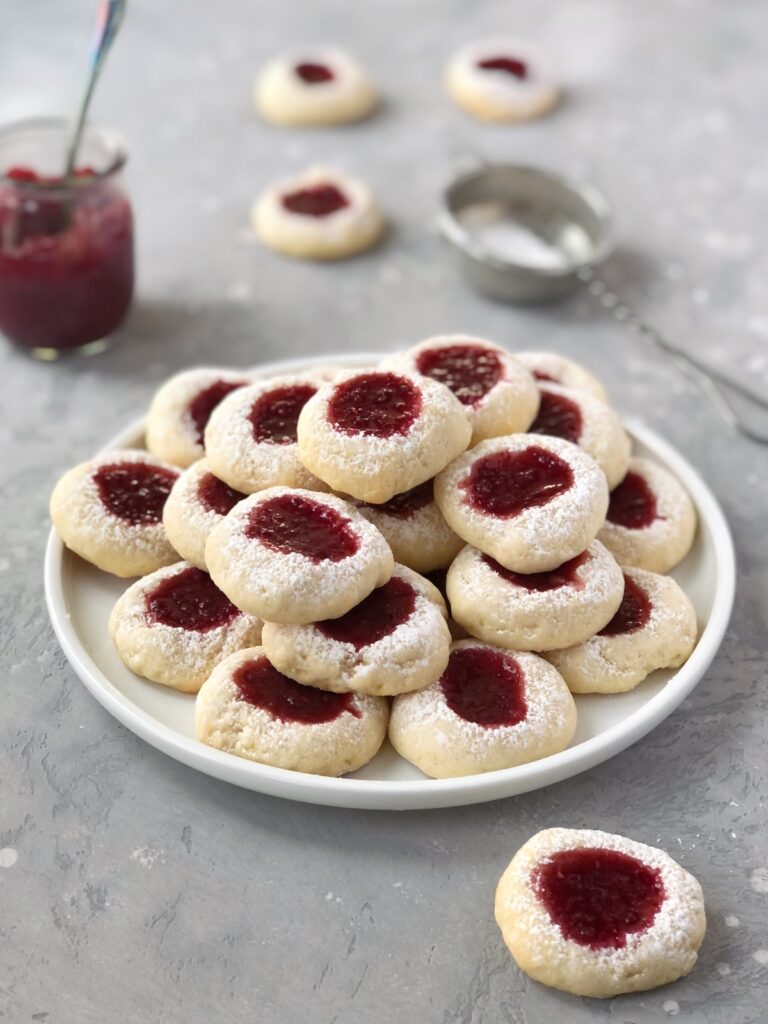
66, 248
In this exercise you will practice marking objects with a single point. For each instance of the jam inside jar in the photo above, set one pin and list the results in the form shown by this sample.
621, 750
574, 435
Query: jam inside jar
66, 247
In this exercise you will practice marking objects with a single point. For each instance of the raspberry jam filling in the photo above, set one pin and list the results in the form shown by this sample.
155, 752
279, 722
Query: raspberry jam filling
510, 65
216, 496
470, 371
485, 687
274, 415
599, 897
260, 684
293, 524
315, 200
540, 375
190, 600
313, 74
375, 404
634, 611
566, 575
377, 616
633, 503
205, 401
403, 506
135, 491
507, 483
558, 416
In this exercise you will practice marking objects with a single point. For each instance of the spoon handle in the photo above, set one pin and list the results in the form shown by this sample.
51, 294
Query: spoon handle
109, 19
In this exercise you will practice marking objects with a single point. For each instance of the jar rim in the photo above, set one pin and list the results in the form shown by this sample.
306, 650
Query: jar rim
114, 144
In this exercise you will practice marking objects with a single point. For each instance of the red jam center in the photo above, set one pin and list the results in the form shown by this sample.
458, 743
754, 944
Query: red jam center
205, 401
558, 416
507, 483
216, 496
313, 74
470, 371
293, 524
403, 506
599, 897
634, 611
540, 375
486, 687
190, 600
377, 616
633, 503
135, 491
315, 201
566, 575
510, 65
260, 684
274, 415
376, 404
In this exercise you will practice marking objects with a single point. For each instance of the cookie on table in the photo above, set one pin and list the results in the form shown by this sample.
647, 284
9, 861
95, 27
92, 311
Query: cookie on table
320, 214
197, 502
292, 555
174, 625
313, 87
598, 915
109, 511
490, 709
249, 709
181, 408
397, 639
373, 434
502, 80
531, 502
552, 368
651, 521
654, 627
250, 440
535, 611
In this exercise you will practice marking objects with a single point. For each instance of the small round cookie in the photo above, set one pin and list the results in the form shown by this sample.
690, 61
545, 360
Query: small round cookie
174, 625
491, 709
197, 502
374, 434
502, 80
654, 627
249, 709
415, 529
532, 502
597, 915
109, 511
498, 393
395, 640
291, 555
582, 419
181, 408
319, 214
651, 521
314, 87
555, 369
539, 611
250, 440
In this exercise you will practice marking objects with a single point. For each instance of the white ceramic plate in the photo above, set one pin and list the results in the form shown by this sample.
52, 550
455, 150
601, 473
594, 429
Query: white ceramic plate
80, 599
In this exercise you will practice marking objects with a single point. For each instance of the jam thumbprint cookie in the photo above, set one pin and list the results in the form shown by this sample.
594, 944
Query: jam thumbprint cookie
490, 709
320, 214
498, 393
290, 555
181, 408
397, 639
375, 434
554, 369
109, 511
597, 915
197, 502
502, 80
249, 709
531, 502
174, 625
313, 87
651, 521
537, 611
588, 422
250, 440
654, 627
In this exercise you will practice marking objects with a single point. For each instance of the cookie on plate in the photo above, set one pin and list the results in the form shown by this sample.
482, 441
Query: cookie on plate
556, 369
197, 502
502, 80
313, 87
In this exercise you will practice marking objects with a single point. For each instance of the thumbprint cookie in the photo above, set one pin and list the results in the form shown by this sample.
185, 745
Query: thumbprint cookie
502, 80
552, 368
197, 502
313, 87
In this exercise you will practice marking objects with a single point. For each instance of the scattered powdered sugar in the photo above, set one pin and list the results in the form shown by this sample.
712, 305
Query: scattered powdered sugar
671, 1007
731, 921
147, 856
761, 957
723, 969
8, 857
759, 880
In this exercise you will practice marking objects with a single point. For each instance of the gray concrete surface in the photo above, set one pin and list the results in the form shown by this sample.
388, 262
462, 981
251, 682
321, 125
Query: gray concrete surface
133, 889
